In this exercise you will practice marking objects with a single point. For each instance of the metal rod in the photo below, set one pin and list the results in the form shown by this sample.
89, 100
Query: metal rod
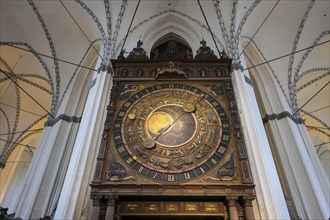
311, 98
129, 28
289, 54
64, 61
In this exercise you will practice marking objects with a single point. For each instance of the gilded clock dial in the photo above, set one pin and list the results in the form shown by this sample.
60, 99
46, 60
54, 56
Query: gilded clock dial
170, 126
171, 132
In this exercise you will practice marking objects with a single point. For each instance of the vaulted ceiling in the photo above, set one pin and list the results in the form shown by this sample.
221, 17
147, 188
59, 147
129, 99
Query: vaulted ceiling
33, 86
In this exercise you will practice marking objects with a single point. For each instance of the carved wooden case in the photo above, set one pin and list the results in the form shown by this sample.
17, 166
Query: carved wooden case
172, 128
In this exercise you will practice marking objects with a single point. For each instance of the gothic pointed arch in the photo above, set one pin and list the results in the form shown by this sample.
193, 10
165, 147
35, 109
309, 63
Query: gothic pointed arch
171, 26
171, 46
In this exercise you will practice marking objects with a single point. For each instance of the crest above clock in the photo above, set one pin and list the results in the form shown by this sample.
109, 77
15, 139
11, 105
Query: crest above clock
171, 69
171, 60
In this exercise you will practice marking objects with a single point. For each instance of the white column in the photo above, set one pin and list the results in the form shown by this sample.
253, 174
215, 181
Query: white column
45, 175
322, 187
36, 172
306, 180
269, 192
12, 178
297, 162
85, 150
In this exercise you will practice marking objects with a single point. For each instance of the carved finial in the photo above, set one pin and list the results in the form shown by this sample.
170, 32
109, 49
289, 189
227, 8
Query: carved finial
205, 52
203, 43
137, 53
121, 55
139, 44
223, 55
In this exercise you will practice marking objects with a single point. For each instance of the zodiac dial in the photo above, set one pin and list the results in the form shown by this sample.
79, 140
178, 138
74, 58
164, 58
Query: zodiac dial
171, 132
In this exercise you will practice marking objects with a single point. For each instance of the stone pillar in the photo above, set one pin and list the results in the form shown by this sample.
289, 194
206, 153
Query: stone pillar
269, 193
45, 176
233, 215
83, 159
302, 177
111, 205
248, 207
43, 171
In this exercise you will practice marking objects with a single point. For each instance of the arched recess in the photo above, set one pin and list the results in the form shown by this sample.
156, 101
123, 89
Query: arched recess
171, 47
13, 175
168, 37
171, 25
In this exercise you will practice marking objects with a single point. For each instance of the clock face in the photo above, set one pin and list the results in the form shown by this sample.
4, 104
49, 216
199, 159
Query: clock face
171, 132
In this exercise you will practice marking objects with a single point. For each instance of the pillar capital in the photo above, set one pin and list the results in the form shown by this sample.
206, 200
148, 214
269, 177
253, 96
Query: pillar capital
232, 200
111, 199
96, 200
248, 201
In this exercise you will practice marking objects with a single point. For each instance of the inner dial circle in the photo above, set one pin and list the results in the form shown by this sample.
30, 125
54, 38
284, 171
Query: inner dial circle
159, 121
171, 126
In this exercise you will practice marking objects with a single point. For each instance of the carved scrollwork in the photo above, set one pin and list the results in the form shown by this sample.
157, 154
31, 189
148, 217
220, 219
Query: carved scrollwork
228, 85
226, 173
159, 162
216, 90
179, 163
228, 169
138, 53
116, 172
127, 91
171, 71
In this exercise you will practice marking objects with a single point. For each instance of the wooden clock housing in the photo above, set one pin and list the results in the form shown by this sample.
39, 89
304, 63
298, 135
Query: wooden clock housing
202, 171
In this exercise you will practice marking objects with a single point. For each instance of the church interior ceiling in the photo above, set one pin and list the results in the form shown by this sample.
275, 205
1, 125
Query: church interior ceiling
43, 43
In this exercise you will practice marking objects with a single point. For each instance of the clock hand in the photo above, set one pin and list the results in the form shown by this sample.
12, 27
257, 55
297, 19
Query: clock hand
188, 107
162, 130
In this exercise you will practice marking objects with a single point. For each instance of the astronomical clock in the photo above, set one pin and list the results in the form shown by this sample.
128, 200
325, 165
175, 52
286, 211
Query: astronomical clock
172, 142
